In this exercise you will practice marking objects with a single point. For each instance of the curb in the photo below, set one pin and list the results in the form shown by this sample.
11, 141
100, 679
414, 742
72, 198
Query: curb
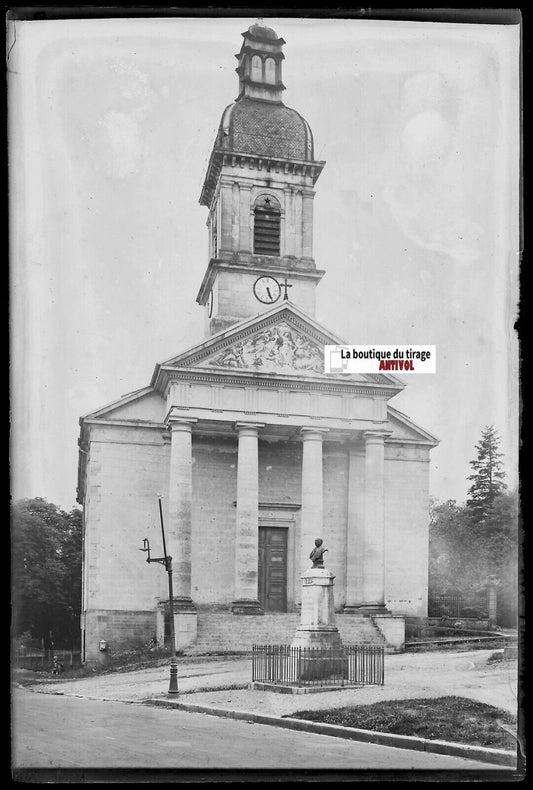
481, 753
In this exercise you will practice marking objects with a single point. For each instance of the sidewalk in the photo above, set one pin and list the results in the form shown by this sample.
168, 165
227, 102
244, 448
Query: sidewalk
407, 675
205, 683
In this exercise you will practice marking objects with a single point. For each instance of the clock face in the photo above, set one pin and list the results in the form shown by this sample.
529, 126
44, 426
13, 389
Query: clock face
267, 290
210, 304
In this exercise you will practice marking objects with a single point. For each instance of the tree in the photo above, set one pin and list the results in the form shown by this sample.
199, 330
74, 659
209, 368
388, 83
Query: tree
472, 543
46, 570
456, 562
501, 535
465, 553
488, 476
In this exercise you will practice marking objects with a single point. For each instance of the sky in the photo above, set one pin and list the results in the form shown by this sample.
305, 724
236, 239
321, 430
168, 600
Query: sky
111, 123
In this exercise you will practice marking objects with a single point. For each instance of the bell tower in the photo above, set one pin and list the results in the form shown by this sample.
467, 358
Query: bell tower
259, 191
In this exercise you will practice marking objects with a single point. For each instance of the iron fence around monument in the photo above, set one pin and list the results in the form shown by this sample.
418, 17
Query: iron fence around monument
285, 665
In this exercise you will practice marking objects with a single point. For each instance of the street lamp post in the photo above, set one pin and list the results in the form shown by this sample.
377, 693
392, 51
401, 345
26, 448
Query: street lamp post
166, 560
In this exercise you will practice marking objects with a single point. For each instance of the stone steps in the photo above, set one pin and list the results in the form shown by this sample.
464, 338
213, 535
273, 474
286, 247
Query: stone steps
223, 632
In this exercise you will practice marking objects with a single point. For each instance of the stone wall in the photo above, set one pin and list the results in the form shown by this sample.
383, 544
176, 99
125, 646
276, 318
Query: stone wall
336, 467
406, 529
121, 629
126, 470
213, 517
225, 633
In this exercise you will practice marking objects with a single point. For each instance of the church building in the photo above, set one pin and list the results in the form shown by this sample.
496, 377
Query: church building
254, 450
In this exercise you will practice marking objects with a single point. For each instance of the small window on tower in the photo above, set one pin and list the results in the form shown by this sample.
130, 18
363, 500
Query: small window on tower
270, 71
267, 221
257, 69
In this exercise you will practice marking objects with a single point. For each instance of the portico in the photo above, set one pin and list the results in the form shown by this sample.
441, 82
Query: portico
357, 439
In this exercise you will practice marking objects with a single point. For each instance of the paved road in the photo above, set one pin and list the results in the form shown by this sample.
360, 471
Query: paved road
52, 731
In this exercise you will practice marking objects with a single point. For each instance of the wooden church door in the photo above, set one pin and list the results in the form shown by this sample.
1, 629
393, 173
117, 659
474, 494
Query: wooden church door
273, 569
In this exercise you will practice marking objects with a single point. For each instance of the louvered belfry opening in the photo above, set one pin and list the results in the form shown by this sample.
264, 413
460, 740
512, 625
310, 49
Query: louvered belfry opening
267, 219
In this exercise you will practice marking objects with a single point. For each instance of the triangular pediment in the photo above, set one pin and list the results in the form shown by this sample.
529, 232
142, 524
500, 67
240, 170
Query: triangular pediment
283, 342
143, 405
405, 430
282, 347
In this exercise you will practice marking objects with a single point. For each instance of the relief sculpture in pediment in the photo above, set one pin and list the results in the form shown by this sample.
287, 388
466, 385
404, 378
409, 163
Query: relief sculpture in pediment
274, 350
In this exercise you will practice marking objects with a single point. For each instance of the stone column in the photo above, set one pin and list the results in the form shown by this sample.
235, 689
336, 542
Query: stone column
312, 525
245, 241
288, 245
354, 534
178, 529
298, 224
235, 224
247, 522
307, 223
225, 229
374, 526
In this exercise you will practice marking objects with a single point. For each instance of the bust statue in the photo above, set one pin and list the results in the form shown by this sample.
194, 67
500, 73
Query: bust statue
317, 554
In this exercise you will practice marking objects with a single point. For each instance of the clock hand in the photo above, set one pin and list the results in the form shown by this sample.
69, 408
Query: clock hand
269, 294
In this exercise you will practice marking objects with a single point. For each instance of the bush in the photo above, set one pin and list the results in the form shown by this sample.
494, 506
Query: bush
470, 611
136, 654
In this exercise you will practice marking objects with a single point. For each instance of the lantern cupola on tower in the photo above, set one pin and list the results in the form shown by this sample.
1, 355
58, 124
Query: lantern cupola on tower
260, 61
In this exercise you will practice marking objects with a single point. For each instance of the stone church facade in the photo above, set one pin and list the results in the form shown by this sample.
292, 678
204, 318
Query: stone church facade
255, 450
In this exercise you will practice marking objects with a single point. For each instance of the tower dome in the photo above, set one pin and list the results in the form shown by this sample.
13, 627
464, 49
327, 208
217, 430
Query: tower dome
252, 126
258, 122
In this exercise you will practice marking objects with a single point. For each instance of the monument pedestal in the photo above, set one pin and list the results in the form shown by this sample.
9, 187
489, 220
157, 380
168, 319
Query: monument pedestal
317, 620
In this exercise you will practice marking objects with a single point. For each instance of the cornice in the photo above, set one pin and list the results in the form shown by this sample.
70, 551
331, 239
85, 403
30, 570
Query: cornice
281, 266
103, 420
168, 374
411, 442
221, 157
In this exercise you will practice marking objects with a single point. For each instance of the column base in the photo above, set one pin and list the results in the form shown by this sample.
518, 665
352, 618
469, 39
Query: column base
246, 606
183, 605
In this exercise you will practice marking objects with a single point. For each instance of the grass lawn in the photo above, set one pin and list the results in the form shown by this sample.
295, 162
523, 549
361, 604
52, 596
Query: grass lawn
442, 718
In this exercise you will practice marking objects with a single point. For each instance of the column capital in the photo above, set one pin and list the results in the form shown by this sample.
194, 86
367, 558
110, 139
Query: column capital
312, 433
175, 423
252, 428
376, 437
